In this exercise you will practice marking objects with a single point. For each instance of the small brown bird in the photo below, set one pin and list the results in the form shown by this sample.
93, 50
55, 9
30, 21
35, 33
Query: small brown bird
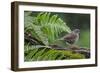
71, 38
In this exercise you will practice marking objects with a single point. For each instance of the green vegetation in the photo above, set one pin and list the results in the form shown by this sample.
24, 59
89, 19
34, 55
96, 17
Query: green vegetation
37, 54
47, 28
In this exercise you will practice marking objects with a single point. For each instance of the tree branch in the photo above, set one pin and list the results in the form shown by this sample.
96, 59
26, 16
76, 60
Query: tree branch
84, 51
32, 40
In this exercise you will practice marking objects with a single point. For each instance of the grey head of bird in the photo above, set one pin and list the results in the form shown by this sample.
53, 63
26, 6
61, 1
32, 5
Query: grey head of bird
77, 31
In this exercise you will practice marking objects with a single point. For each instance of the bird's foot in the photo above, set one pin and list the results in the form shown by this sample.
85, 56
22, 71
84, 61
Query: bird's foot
74, 47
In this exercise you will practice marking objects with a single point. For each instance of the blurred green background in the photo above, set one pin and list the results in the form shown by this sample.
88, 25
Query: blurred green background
76, 21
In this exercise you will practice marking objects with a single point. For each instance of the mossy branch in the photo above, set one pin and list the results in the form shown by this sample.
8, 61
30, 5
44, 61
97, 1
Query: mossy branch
34, 41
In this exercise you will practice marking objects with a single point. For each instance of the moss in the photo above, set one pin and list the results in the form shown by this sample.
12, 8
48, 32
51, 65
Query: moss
77, 56
36, 54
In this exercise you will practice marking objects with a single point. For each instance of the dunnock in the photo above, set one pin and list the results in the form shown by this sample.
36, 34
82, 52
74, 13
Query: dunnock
72, 37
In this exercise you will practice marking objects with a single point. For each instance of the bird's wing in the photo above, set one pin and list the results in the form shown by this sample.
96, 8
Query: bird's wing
70, 38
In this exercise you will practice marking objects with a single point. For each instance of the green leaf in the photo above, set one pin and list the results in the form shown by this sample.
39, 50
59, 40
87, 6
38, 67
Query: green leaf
41, 54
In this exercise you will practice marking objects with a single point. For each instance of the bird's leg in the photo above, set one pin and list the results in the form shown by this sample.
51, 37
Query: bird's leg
73, 47
68, 44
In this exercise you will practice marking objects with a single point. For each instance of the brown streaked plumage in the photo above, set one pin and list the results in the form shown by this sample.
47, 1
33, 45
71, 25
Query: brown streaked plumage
72, 37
